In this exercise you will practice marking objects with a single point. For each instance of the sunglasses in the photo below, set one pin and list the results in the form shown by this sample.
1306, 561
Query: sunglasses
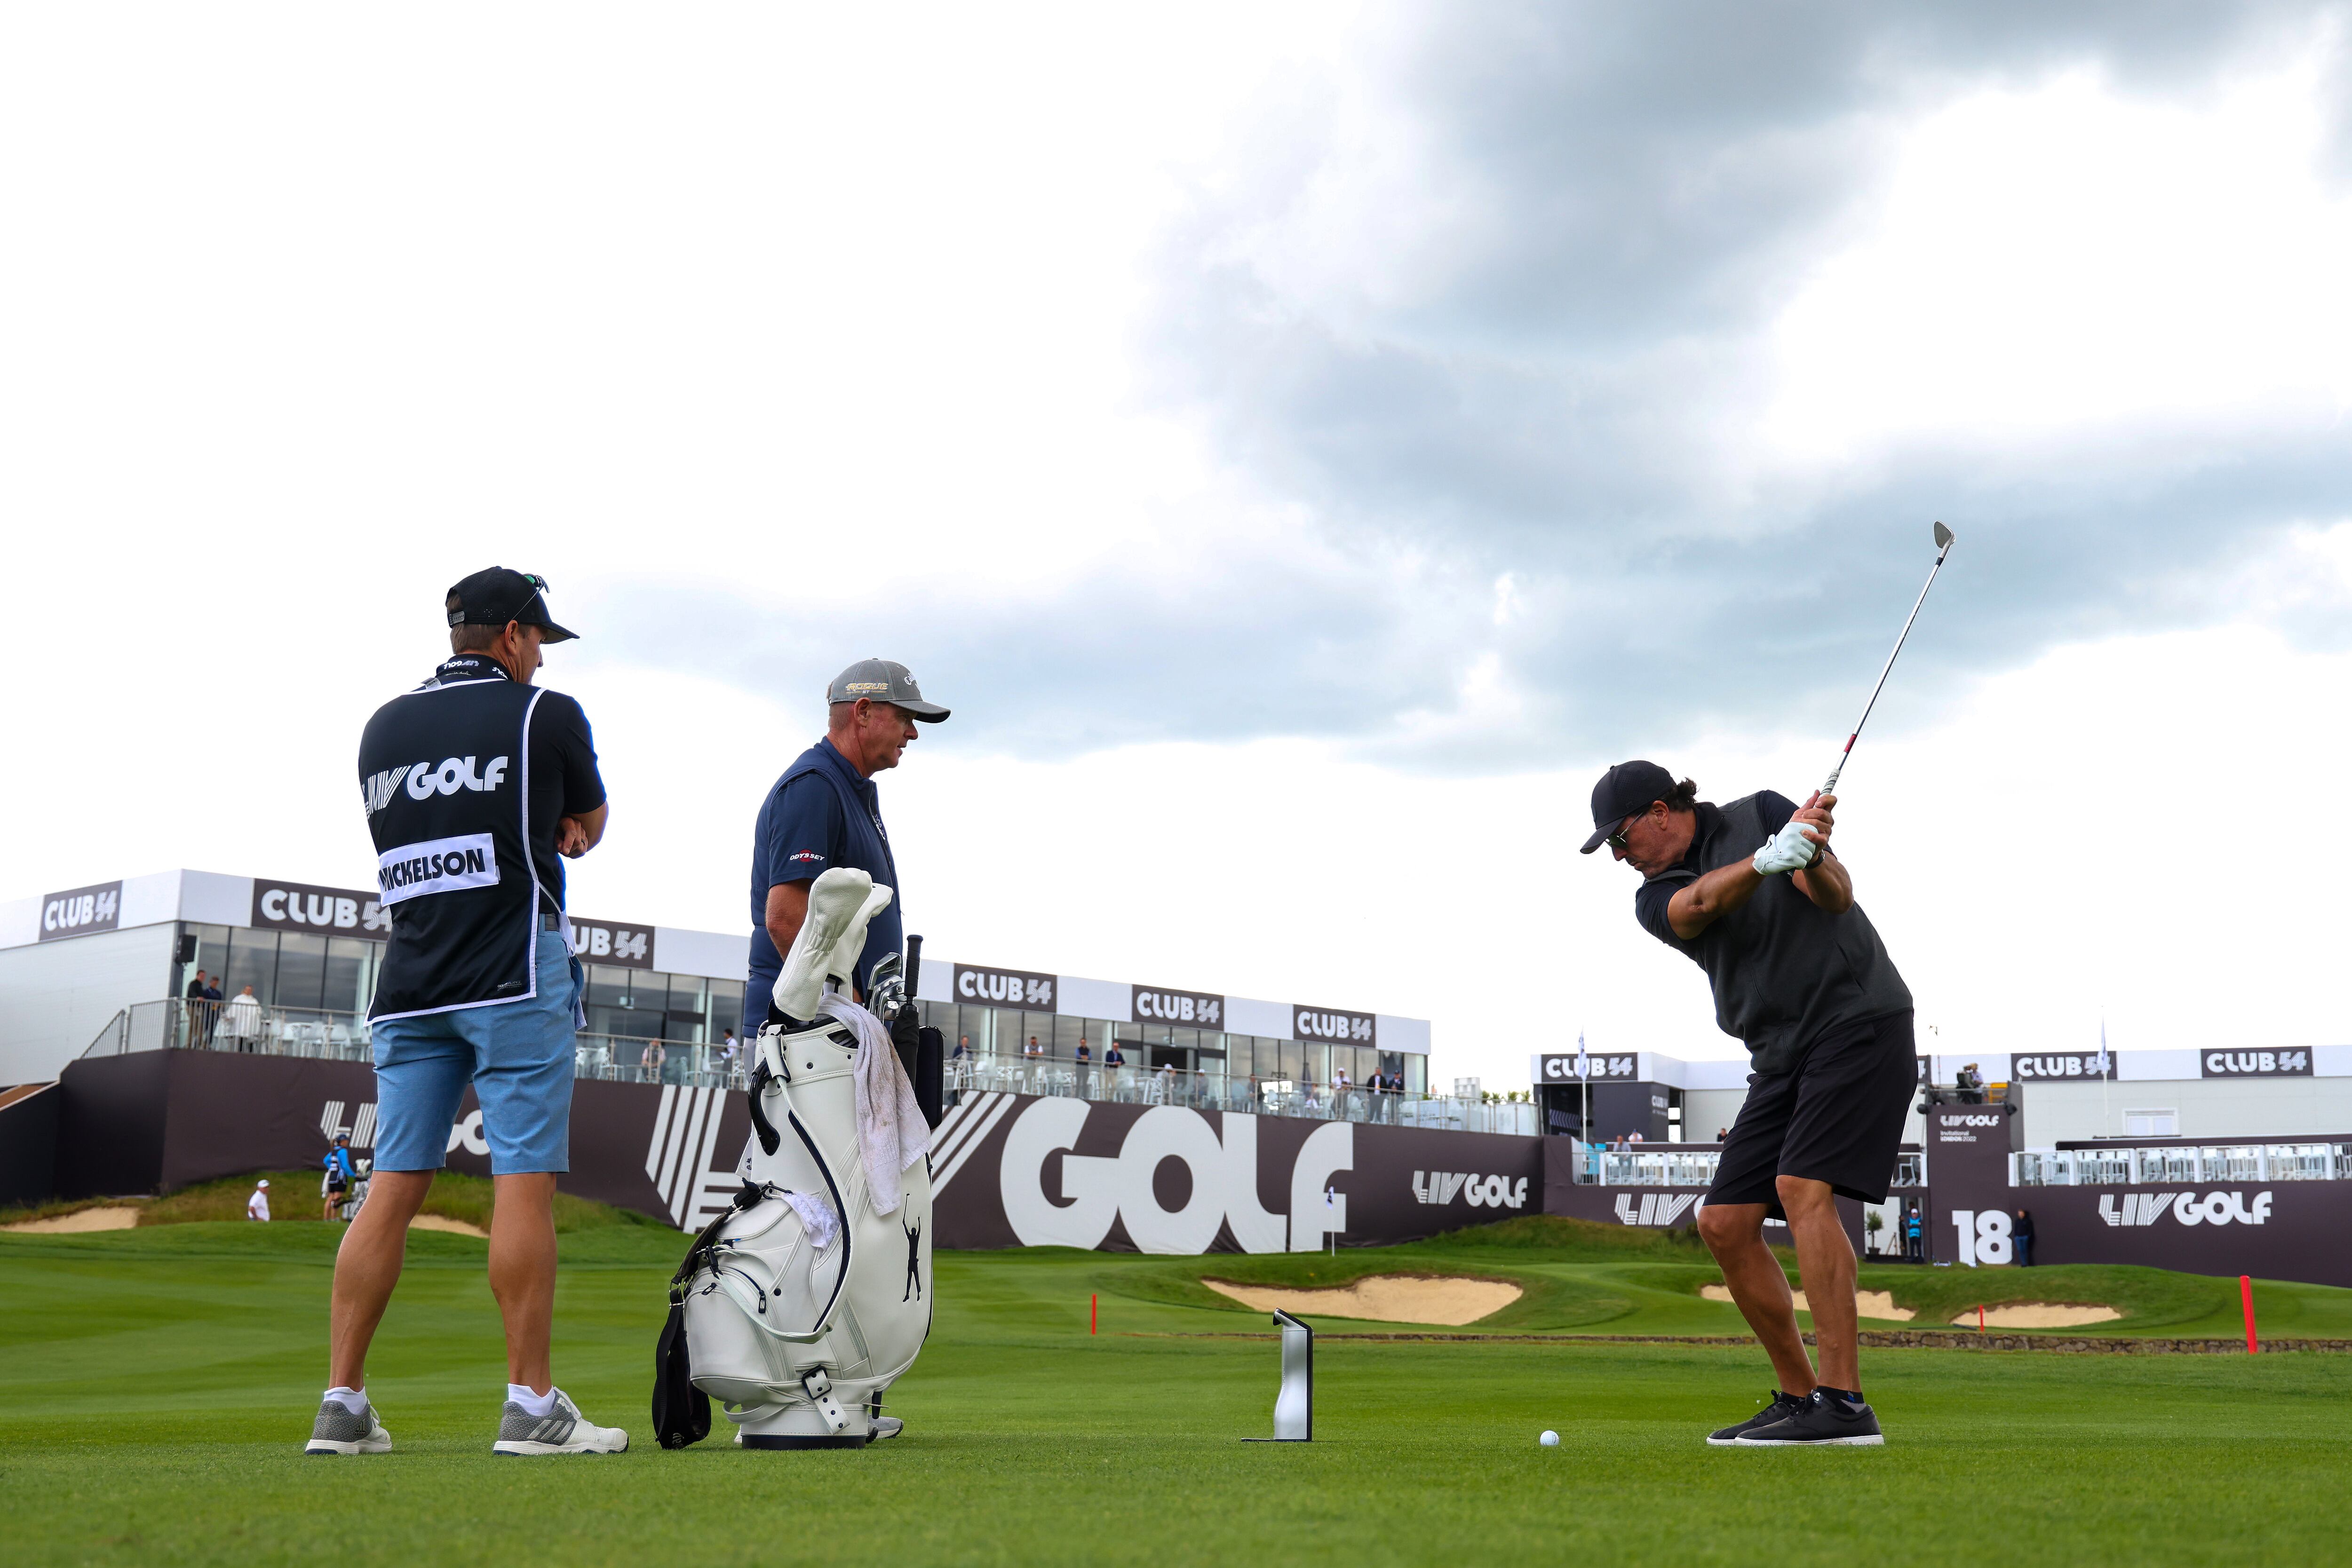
1616, 840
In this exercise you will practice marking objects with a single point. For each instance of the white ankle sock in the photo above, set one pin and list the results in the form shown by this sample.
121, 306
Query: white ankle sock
354, 1400
536, 1404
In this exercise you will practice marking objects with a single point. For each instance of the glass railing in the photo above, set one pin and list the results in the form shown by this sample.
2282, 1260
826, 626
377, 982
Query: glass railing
2180, 1165
625, 1059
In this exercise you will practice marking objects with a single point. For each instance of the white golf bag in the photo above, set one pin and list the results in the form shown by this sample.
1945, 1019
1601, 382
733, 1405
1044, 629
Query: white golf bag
805, 1303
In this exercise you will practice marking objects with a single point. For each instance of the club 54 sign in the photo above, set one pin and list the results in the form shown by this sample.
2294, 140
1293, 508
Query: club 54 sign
1562, 1068
610, 942
1191, 1009
332, 910
976, 985
1333, 1026
80, 910
2254, 1063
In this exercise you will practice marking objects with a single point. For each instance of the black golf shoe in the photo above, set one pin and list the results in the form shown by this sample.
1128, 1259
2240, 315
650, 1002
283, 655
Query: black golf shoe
1826, 1420
1781, 1409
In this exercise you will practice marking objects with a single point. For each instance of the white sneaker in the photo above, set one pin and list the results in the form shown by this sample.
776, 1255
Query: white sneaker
563, 1430
339, 1431
887, 1427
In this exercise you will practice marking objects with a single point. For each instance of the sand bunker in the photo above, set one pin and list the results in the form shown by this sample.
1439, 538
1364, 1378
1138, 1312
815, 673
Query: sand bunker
1877, 1304
82, 1219
2038, 1315
1386, 1298
454, 1226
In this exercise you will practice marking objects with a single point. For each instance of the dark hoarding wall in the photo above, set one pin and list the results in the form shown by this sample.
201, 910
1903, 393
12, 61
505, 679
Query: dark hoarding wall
1012, 1170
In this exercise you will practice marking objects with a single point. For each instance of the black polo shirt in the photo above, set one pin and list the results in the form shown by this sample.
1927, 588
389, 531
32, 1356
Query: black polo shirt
1783, 970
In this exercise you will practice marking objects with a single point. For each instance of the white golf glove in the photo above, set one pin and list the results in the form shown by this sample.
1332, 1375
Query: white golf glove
1788, 850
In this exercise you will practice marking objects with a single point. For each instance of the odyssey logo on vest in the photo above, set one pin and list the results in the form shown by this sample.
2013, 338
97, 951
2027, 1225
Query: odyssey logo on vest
438, 865
1004, 988
1331, 1024
299, 906
1149, 1004
80, 910
2254, 1063
1481, 1191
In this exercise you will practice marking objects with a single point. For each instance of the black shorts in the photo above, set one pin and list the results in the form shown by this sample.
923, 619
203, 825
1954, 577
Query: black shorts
1836, 1116
336, 1184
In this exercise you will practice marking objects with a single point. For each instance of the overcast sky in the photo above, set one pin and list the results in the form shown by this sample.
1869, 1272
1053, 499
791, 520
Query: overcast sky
1304, 445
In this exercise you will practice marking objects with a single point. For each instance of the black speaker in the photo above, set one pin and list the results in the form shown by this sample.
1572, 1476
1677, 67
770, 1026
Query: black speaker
187, 954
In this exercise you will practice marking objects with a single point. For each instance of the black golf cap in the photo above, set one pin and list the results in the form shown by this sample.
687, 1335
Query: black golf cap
1626, 789
495, 596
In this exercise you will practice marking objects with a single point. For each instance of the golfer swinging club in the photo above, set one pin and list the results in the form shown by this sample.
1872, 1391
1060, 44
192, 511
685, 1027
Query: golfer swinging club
1752, 893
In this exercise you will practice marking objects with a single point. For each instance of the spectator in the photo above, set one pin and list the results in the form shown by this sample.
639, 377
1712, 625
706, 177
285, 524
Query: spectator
2021, 1235
1721, 1133
651, 1058
1632, 1137
196, 1009
963, 1048
727, 1049
1033, 1050
258, 1206
1911, 1248
1969, 1085
1112, 1059
212, 1006
1086, 1060
241, 1020
339, 1174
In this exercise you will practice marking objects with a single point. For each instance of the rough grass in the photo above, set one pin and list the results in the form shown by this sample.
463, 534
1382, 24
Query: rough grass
155, 1386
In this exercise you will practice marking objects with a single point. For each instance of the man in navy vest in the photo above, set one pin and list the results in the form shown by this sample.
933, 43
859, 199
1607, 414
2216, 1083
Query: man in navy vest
475, 785
1750, 893
825, 811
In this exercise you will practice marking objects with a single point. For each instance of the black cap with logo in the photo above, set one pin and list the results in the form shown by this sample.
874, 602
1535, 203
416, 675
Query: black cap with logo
495, 596
1623, 791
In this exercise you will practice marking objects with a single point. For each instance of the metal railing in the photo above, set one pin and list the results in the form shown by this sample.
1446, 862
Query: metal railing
1599, 1165
238, 1024
2180, 1165
1205, 1091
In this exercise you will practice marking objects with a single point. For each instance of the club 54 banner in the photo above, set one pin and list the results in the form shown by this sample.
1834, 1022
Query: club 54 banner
1013, 1170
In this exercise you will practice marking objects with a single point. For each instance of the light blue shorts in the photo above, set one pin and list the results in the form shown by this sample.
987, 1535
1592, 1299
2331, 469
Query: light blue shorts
517, 1056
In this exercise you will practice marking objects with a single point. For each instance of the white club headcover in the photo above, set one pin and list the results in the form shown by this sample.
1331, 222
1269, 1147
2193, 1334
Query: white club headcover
830, 938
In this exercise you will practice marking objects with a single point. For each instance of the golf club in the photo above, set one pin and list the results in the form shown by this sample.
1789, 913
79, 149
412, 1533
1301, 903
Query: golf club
1943, 549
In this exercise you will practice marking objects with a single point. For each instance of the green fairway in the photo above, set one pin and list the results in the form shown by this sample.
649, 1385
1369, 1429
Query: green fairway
156, 1385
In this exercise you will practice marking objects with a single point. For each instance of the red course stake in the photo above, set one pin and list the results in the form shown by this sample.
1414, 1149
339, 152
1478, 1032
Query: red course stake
2246, 1293
1091, 1319
1980, 1317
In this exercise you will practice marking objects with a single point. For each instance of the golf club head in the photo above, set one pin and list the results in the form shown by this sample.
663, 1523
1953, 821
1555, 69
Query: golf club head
1943, 539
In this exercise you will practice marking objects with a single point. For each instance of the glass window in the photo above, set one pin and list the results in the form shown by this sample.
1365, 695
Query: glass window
687, 1010
1067, 1031
1416, 1075
251, 960
347, 974
608, 986
301, 969
727, 1005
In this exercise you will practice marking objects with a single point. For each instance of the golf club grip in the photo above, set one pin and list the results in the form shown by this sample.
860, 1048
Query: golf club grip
914, 967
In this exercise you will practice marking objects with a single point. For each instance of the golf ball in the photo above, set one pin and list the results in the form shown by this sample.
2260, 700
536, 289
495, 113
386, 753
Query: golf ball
1549, 1439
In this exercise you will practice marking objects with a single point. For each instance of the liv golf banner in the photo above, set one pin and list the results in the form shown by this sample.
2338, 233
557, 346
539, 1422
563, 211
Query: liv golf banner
1013, 1170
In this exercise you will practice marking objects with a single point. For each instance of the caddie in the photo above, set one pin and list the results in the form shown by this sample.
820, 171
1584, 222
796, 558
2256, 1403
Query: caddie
1751, 893
475, 785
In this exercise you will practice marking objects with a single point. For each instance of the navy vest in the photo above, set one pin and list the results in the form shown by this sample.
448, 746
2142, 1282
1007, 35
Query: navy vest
445, 778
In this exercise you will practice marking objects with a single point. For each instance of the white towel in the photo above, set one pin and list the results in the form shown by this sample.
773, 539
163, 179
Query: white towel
891, 1132
816, 1218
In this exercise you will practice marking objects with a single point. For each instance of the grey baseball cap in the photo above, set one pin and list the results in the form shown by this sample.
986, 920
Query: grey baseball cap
883, 681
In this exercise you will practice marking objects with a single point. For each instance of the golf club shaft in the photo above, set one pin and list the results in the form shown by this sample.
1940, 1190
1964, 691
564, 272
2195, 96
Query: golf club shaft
1943, 550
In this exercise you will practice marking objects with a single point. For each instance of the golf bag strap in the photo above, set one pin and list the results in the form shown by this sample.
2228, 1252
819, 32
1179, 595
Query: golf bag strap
819, 1389
681, 1412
